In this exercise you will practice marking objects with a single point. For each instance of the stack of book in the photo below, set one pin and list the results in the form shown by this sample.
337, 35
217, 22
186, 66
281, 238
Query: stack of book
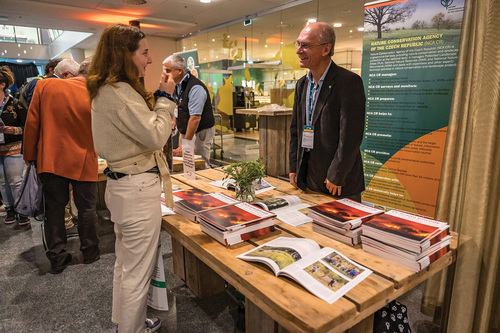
195, 204
413, 241
236, 223
341, 219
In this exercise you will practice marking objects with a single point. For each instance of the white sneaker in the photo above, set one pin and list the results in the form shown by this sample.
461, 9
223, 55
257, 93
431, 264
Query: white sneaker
152, 324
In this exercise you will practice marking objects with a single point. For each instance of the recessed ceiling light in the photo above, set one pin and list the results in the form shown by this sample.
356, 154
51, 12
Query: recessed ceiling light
312, 20
265, 45
337, 25
194, 44
361, 29
205, 1
213, 39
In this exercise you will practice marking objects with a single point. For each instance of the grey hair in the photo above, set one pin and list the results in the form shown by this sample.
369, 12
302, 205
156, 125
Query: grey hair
177, 62
67, 65
326, 34
85, 66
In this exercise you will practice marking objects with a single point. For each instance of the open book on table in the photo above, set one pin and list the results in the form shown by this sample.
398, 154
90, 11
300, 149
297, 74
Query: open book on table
230, 184
325, 272
287, 209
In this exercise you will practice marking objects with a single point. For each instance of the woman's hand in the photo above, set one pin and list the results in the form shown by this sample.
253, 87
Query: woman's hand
167, 83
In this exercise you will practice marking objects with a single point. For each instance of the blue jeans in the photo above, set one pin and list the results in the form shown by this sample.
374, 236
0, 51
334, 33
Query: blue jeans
11, 177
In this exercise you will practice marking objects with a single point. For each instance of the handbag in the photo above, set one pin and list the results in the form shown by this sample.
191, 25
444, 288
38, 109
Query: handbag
30, 202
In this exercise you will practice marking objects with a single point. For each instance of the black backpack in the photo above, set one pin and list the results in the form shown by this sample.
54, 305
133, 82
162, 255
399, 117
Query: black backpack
21, 93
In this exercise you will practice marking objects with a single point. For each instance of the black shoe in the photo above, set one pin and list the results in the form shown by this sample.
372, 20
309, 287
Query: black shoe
11, 215
61, 268
23, 220
72, 232
91, 260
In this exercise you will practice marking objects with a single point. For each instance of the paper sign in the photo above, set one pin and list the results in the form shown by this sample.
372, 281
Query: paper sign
188, 159
157, 293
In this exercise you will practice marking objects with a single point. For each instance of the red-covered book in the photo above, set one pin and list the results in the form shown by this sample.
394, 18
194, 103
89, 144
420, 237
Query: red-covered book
405, 230
188, 194
236, 223
344, 213
190, 208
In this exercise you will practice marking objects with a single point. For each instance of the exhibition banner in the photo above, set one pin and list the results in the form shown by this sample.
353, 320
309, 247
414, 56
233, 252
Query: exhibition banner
410, 51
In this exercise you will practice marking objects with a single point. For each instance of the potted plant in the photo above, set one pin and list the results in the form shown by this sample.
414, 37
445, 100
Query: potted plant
245, 175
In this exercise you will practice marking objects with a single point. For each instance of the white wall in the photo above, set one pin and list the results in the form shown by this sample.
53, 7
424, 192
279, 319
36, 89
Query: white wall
159, 48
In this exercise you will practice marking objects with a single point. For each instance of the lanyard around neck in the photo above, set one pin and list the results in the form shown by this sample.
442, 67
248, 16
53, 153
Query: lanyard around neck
3, 103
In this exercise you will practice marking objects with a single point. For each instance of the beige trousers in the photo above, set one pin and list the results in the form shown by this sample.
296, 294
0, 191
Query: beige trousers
134, 203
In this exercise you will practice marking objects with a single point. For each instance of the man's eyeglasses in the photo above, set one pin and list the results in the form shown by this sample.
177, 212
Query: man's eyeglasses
306, 46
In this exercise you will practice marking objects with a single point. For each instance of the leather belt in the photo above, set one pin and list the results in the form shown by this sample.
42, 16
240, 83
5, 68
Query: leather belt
118, 175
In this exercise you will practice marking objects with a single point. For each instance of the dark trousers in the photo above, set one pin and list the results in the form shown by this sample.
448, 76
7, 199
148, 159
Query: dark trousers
56, 194
315, 182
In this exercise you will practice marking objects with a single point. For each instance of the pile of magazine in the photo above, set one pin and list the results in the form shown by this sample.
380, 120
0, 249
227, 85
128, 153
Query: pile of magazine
341, 219
190, 203
413, 241
236, 223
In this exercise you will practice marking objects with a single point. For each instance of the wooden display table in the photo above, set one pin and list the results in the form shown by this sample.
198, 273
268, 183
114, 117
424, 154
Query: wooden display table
277, 304
274, 139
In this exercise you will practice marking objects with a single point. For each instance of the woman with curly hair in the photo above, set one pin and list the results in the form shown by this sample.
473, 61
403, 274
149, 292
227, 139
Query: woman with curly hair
11, 138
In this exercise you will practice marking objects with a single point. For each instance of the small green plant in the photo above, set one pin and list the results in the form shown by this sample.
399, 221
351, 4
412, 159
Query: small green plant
244, 174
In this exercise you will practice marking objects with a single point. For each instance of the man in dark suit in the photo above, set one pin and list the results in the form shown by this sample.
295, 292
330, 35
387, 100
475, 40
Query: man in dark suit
327, 121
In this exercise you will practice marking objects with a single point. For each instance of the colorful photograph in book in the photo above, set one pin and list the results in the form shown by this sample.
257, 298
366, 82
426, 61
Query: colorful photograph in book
282, 256
203, 202
229, 216
326, 276
189, 194
338, 211
344, 267
275, 203
401, 227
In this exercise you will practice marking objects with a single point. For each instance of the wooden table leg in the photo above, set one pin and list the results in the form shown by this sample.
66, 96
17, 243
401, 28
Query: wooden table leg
257, 321
199, 278
364, 326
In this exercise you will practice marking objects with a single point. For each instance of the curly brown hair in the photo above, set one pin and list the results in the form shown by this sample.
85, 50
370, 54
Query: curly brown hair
6, 77
112, 61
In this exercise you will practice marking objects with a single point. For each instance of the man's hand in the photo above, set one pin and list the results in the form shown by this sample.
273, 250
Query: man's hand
178, 151
332, 188
293, 179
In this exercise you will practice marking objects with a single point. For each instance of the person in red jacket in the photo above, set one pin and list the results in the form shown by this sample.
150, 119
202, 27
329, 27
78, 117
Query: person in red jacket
58, 136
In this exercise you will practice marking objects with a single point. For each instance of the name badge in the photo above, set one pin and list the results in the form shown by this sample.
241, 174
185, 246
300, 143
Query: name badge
308, 137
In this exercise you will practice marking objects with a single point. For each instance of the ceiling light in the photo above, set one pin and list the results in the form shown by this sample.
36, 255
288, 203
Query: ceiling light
312, 21
350, 30
19, 60
194, 44
205, 1
265, 45
337, 25
213, 39
361, 29
134, 2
